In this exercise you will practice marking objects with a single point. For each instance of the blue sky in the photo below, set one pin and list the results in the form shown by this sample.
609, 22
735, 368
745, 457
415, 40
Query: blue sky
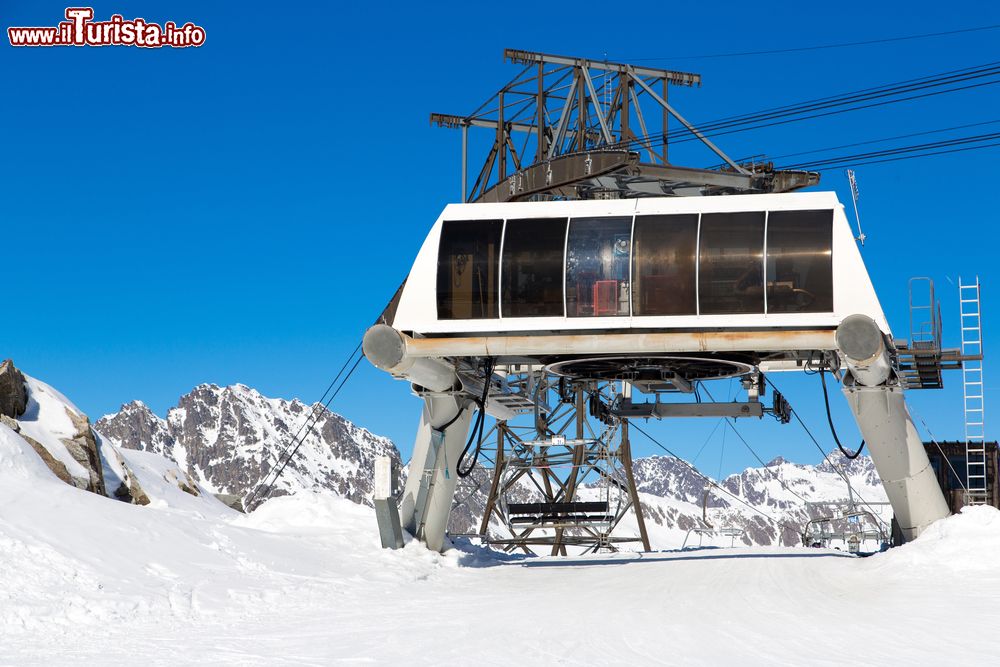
242, 211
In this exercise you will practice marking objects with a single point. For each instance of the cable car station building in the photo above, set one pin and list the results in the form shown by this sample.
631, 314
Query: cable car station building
575, 296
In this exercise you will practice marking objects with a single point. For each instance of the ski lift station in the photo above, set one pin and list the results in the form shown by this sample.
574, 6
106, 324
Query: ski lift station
602, 284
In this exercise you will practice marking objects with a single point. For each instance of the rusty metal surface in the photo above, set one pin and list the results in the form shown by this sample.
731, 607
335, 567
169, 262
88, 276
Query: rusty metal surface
557, 173
522, 57
576, 128
624, 344
580, 174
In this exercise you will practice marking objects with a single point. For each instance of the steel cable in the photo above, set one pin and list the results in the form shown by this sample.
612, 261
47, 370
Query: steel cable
300, 437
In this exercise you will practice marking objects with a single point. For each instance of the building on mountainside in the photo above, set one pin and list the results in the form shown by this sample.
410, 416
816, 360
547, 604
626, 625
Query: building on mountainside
948, 458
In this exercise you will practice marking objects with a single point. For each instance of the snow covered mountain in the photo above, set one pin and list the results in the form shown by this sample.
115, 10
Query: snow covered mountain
230, 438
770, 504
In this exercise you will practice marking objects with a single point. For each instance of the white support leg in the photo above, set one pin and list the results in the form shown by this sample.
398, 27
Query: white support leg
899, 457
430, 485
876, 399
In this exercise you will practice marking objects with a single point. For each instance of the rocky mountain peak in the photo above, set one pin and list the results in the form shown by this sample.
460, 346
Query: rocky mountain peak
229, 438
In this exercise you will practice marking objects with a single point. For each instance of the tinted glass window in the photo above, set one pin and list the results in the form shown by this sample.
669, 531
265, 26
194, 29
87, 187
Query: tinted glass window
597, 256
799, 261
468, 262
731, 263
664, 268
958, 473
533, 267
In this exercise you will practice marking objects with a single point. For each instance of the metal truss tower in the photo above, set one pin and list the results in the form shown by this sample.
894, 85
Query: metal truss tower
566, 480
576, 128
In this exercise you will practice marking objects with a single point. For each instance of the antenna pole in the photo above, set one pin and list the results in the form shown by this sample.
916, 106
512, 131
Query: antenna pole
854, 197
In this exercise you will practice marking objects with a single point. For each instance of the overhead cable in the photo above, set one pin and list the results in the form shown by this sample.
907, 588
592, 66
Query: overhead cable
713, 483
263, 489
818, 47
854, 100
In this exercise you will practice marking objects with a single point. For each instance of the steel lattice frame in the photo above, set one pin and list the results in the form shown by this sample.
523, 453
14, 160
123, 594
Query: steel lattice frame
599, 452
566, 127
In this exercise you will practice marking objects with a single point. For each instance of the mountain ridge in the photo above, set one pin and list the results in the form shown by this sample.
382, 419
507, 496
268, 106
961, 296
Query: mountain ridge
228, 438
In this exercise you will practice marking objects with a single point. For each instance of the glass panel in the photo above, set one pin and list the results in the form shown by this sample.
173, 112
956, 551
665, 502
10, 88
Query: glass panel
597, 267
799, 262
731, 263
468, 262
664, 268
957, 473
533, 267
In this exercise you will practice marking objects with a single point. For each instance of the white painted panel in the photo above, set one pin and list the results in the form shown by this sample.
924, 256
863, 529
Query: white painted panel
853, 289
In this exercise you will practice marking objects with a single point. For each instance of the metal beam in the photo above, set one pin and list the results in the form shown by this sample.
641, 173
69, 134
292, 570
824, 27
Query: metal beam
735, 409
593, 98
540, 147
665, 129
678, 78
563, 119
715, 149
559, 172
452, 121
642, 125
626, 458
568, 170
587, 344
551, 102
628, 409
465, 163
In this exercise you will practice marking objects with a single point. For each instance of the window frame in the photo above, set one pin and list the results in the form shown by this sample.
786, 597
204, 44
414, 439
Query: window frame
763, 262
629, 259
437, 267
503, 251
828, 226
568, 219
633, 261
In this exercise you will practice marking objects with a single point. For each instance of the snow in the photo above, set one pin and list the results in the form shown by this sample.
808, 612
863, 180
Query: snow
968, 542
160, 479
112, 464
47, 421
88, 579
303, 580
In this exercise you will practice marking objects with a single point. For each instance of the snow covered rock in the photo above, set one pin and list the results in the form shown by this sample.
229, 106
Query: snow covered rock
57, 467
667, 477
71, 451
121, 482
56, 429
13, 397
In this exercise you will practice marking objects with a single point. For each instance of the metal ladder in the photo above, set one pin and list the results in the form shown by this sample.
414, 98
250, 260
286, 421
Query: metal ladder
977, 489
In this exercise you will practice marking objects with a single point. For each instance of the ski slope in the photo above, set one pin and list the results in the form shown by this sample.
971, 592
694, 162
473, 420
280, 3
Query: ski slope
302, 581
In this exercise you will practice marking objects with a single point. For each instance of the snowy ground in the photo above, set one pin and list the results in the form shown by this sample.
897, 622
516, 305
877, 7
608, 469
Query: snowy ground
86, 579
